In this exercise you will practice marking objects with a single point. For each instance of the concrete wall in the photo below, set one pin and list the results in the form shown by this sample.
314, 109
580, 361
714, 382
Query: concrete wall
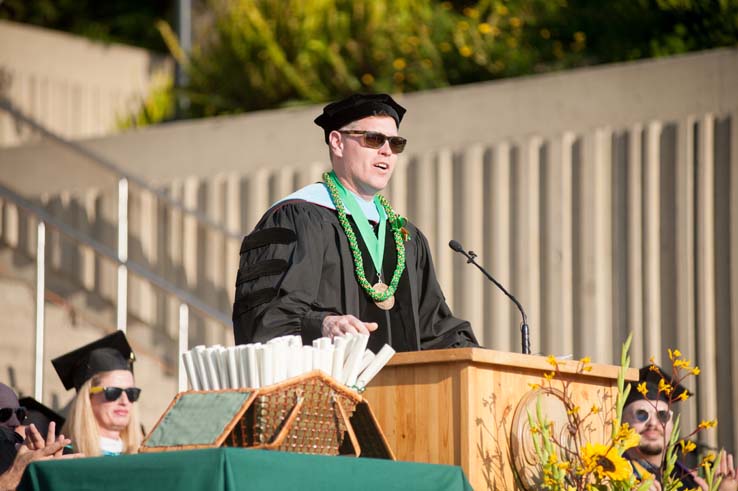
74, 86
605, 198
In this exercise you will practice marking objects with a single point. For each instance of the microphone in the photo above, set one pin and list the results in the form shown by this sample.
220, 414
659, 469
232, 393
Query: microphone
524, 329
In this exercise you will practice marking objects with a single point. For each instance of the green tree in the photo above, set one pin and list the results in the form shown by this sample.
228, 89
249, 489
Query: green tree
128, 22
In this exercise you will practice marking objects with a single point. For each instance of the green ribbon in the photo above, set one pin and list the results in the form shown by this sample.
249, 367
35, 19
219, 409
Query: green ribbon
374, 243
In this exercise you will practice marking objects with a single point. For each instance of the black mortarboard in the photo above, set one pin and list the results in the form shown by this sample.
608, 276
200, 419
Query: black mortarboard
41, 415
109, 353
338, 114
651, 375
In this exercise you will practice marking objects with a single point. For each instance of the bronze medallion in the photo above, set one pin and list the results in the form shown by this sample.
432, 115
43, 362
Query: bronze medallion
385, 304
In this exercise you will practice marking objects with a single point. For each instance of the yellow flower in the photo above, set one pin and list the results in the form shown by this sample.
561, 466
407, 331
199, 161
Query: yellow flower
549, 375
586, 360
707, 460
687, 446
367, 79
552, 361
465, 51
605, 462
642, 388
471, 12
626, 437
683, 396
534, 386
696, 371
484, 28
399, 63
595, 409
574, 410
674, 354
515, 22
705, 425
664, 387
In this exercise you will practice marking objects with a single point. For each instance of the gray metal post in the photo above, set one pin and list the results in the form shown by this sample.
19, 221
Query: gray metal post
38, 387
122, 303
184, 322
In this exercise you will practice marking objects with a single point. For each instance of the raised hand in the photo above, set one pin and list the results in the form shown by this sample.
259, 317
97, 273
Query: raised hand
338, 325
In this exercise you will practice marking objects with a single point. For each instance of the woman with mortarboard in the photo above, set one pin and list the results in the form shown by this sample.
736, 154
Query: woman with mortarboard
103, 419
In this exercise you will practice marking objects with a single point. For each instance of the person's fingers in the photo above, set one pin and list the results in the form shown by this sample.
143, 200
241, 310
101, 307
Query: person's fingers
700, 482
51, 433
51, 449
361, 328
338, 325
72, 456
349, 323
62, 439
34, 440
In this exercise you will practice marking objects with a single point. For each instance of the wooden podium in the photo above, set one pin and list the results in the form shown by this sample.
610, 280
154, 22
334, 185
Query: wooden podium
469, 407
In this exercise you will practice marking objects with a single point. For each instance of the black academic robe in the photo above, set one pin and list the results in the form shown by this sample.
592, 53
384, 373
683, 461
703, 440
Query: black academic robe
296, 268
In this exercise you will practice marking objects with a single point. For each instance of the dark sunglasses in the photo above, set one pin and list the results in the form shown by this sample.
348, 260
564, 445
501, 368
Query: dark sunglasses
663, 415
113, 393
7, 412
373, 139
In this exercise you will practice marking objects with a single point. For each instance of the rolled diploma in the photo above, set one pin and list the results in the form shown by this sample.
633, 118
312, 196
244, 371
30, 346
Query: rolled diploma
201, 365
351, 369
379, 361
366, 360
189, 365
233, 371
252, 361
266, 367
339, 349
211, 364
307, 358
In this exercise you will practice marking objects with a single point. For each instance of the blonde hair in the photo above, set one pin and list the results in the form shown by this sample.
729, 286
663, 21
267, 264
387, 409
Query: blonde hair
82, 427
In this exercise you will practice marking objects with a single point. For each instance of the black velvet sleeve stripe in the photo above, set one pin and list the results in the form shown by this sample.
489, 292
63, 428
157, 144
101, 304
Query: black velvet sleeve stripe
264, 268
253, 300
268, 236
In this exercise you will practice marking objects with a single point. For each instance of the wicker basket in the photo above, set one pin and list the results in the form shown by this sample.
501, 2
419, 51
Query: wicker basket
310, 414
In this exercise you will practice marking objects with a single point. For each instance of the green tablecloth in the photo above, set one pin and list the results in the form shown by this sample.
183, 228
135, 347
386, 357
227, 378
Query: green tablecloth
230, 469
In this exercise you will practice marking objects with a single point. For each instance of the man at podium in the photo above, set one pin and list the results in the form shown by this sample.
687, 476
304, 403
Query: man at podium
335, 257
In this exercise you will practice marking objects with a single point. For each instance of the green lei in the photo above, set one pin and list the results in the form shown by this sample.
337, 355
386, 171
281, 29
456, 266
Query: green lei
396, 223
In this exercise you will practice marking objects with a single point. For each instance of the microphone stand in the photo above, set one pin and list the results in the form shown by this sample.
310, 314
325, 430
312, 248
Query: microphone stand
524, 329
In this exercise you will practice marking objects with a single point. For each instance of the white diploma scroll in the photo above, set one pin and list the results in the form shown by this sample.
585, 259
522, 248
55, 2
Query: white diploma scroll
189, 364
199, 358
379, 361
351, 369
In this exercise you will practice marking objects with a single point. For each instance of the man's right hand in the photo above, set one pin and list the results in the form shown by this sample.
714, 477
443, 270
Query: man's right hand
338, 325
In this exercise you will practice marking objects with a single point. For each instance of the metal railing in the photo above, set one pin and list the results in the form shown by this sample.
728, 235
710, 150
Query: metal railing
124, 265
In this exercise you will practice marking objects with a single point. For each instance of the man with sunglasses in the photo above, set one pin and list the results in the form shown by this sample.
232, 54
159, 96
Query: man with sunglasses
11, 418
335, 257
651, 415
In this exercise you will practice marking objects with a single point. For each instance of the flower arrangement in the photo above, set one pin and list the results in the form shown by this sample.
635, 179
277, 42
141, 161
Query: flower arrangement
577, 463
